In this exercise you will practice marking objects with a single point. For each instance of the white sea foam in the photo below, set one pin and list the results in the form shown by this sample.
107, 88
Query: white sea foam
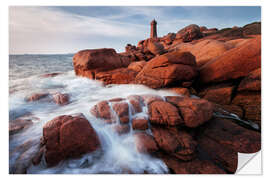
118, 153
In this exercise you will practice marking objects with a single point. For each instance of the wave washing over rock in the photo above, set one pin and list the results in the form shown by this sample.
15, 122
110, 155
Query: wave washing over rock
118, 153
185, 103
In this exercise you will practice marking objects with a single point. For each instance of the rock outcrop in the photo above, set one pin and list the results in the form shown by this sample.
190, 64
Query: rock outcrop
89, 62
36, 96
194, 111
183, 132
252, 29
168, 69
137, 66
252, 82
68, 136
57, 98
145, 143
117, 76
61, 99
189, 33
205, 50
235, 63
234, 79
191, 135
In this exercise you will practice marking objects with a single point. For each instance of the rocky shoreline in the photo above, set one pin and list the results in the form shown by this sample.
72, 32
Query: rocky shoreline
217, 74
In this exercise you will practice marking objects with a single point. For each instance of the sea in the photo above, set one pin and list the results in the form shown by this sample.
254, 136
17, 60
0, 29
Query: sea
118, 151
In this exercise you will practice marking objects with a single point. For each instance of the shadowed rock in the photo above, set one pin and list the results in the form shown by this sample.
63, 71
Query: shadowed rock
139, 123
176, 143
252, 82
145, 143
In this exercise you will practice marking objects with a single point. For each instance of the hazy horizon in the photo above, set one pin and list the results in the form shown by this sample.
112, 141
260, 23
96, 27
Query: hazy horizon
47, 30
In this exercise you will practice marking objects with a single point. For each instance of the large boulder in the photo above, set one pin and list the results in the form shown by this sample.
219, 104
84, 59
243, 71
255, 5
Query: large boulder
139, 123
205, 50
179, 144
225, 34
203, 28
221, 93
237, 42
68, 136
179, 90
251, 103
149, 98
155, 47
164, 113
252, 29
168, 39
137, 66
229, 134
219, 153
189, 33
121, 128
145, 143
116, 76
88, 62
195, 166
252, 82
102, 110
170, 68
136, 102
235, 63
193, 111
122, 111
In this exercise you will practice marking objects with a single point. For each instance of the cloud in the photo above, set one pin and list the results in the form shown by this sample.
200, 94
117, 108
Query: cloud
33, 26
57, 29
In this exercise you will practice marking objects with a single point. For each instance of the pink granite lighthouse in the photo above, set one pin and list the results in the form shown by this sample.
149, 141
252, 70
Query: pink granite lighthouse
153, 29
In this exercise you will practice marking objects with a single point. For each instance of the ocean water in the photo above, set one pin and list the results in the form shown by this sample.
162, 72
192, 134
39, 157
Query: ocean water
117, 151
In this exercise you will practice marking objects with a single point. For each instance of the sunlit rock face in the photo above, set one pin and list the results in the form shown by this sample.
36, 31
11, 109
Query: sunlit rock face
180, 130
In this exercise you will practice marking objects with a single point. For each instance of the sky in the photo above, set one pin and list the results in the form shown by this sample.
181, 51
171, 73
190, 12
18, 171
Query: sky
68, 29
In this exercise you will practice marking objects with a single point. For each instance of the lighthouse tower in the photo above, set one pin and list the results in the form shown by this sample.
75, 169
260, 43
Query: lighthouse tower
153, 29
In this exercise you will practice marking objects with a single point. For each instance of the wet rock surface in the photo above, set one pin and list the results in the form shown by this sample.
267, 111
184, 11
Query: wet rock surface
185, 133
37, 96
192, 135
61, 99
68, 136
145, 143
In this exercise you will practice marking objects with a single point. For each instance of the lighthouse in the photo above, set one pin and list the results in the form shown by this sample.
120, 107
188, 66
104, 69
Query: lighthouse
153, 33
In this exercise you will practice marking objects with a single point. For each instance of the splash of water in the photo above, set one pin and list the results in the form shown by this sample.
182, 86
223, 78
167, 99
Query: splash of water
118, 154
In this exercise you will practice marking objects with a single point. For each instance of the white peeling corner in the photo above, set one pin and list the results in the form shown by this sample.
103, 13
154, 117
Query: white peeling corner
249, 163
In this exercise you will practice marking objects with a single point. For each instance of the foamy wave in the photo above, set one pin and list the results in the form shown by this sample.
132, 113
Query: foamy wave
119, 152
